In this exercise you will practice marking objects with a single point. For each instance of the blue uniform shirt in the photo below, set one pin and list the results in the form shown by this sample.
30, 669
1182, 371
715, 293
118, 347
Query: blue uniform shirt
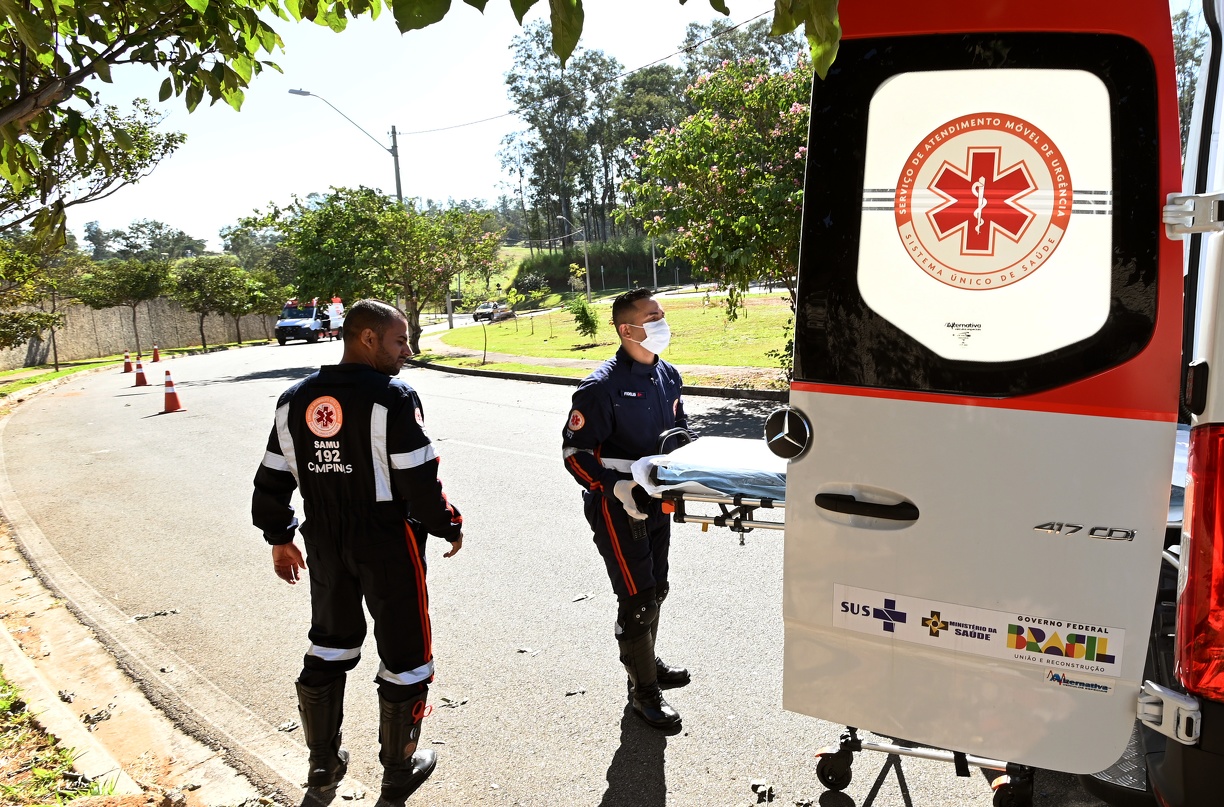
618, 413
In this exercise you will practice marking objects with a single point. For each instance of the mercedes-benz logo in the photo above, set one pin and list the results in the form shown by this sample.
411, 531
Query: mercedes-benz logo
787, 432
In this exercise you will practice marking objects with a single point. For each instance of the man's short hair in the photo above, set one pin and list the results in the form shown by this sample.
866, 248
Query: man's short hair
373, 314
624, 303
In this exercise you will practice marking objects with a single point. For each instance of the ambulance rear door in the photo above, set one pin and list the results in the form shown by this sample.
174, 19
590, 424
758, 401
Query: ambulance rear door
987, 355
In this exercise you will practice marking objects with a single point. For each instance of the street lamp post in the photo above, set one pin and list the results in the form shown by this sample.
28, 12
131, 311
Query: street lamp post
393, 151
585, 258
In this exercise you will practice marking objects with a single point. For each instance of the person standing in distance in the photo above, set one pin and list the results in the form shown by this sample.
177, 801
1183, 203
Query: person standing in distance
618, 413
351, 437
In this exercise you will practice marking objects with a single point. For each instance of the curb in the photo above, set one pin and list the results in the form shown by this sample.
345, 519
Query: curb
90, 758
710, 392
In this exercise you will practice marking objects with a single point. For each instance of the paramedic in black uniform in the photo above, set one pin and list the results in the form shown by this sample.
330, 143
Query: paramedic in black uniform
351, 438
618, 413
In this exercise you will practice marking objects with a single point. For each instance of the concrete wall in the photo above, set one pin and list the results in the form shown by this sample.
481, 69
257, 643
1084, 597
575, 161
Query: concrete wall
89, 334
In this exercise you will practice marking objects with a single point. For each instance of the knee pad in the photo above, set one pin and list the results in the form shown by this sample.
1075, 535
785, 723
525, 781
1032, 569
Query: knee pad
661, 590
635, 615
398, 693
318, 678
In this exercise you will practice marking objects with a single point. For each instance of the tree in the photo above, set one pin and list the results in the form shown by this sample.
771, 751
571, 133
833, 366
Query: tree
22, 280
268, 296
707, 47
149, 240
584, 317
355, 242
66, 177
205, 285
49, 49
124, 282
727, 183
100, 240
250, 247
1189, 41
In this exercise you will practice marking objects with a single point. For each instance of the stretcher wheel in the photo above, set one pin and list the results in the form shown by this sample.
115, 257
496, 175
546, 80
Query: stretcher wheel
1009, 793
833, 770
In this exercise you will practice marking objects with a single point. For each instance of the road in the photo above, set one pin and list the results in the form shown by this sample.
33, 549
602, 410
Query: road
149, 512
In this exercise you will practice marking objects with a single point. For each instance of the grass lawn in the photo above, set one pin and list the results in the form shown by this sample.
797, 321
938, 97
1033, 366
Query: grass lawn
506, 366
34, 768
701, 333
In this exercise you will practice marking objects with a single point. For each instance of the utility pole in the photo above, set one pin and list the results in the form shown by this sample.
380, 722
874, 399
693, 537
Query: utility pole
399, 189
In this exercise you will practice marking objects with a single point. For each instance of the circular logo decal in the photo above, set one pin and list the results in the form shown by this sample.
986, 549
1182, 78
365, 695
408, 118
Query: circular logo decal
324, 417
420, 419
576, 421
983, 201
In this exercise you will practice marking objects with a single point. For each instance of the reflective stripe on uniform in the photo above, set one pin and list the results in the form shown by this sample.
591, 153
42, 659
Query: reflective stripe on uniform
334, 653
422, 673
566, 453
285, 438
275, 461
624, 466
378, 448
412, 459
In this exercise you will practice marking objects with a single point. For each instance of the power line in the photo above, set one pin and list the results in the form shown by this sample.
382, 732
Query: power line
623, 75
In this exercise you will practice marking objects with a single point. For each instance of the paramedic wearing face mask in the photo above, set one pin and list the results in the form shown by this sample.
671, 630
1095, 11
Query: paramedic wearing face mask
618, 413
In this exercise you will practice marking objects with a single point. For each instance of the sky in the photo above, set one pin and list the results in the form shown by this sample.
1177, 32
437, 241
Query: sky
453, 72
280, 144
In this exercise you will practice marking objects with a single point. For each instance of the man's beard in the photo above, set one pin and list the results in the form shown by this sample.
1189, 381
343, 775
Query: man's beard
385, 362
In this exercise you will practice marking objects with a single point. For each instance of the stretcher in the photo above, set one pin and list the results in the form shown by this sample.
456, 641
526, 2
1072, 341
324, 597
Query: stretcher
739, 476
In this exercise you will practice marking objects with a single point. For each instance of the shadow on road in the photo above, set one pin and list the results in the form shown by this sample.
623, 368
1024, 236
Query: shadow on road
636, 777
734, 419
283, 373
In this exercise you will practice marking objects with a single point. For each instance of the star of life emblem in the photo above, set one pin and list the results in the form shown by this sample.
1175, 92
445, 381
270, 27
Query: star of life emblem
983, 201
324, 416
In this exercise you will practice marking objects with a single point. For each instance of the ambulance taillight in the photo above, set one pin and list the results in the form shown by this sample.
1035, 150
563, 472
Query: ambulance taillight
1200, 611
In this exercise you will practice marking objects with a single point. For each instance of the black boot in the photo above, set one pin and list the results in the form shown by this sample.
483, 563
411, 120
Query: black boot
404, 767
637, 654
322, 711
669, 677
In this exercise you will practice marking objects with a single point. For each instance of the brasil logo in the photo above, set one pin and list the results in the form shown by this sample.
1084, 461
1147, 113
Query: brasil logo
983, 201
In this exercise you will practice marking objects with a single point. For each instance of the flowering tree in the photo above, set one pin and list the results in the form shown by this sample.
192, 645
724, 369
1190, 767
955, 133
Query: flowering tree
727, 183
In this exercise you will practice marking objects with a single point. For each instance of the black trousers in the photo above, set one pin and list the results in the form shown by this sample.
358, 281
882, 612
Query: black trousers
634, 565
388, 572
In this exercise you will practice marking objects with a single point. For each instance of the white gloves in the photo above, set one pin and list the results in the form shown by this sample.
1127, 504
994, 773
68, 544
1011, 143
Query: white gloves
623, 490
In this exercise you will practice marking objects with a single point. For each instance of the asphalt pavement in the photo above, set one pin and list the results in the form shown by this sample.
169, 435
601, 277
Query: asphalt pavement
148, 512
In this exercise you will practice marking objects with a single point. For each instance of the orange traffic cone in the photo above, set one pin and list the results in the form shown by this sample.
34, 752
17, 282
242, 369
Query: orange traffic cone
156, 355
141, 381
127, 361
172, 401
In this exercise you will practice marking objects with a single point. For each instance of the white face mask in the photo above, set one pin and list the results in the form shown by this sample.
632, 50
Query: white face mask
658, 336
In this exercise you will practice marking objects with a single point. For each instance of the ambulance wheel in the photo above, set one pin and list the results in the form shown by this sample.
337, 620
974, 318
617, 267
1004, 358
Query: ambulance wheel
280, 340
312, 337
833, 770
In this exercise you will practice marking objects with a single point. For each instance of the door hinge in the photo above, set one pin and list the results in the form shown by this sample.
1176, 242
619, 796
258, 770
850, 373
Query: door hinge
1193, 213
1173, 714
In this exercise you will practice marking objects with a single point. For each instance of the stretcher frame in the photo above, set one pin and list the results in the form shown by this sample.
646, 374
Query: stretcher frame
736, 511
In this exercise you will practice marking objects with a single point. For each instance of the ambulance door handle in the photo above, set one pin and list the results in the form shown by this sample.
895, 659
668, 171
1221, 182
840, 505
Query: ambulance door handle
845, 503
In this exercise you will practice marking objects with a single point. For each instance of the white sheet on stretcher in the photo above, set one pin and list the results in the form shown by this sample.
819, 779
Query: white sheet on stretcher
717, 466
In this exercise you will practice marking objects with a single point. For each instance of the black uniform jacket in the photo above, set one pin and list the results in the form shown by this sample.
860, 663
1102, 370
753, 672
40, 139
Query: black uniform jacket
352, 438
618, 413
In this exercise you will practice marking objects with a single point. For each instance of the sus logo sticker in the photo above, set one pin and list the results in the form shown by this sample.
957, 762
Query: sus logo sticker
576, 421
324, 416
983, 201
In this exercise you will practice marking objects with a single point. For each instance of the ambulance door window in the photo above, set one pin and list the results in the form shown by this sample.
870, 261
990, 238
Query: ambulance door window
981, 213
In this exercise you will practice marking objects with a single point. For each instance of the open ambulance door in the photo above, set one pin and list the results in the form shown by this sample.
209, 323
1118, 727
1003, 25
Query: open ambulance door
987, 351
